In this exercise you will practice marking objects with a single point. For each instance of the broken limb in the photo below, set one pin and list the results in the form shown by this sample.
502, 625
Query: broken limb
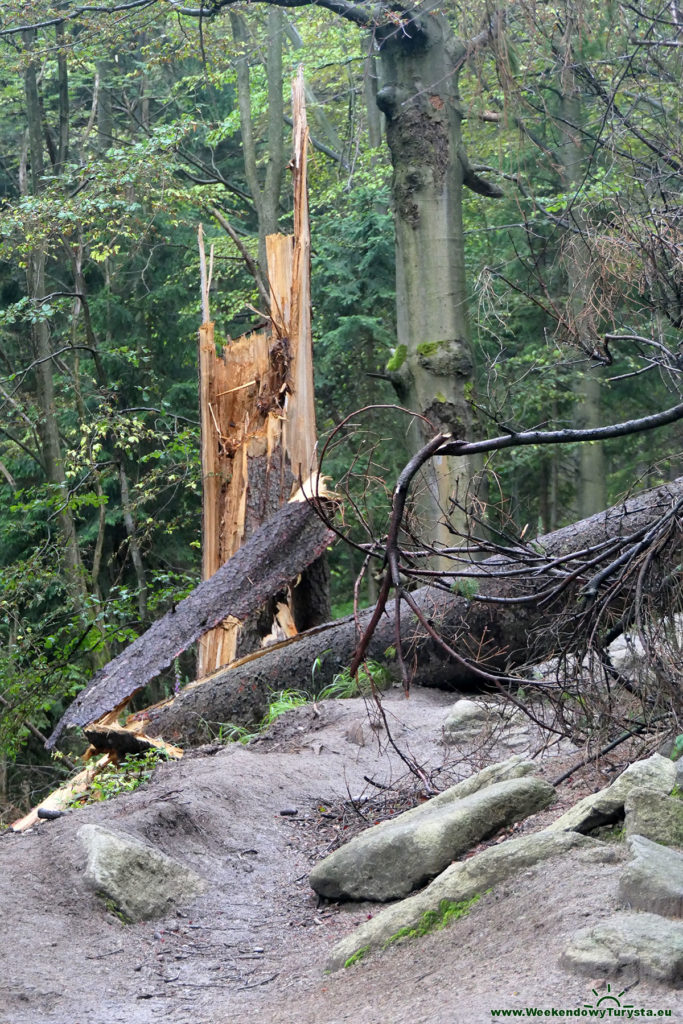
272, 558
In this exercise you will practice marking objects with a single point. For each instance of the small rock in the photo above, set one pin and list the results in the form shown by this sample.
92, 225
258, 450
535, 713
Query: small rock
355, 734
466, 720
644, 943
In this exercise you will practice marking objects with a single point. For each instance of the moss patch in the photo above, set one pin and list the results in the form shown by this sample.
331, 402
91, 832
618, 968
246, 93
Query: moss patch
429, 348
398, 358
113, 909
435, 920
357, 956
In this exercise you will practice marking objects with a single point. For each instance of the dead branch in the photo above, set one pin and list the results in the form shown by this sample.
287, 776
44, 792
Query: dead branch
274, 556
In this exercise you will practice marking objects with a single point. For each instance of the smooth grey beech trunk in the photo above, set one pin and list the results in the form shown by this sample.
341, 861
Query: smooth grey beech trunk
433, 362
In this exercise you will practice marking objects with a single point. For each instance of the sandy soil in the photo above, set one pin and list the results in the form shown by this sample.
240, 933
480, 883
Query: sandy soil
254, 946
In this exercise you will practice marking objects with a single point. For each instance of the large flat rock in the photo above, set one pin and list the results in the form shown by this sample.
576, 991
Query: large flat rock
604, 808
142, 883
629, 944
458, 883
653, 879
392, 859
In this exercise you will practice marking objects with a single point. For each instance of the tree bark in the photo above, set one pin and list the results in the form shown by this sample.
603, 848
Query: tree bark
497, 636
420, 100
48, 427
581, 313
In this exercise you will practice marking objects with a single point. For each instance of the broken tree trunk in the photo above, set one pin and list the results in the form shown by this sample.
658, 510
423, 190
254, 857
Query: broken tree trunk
273, 557
495, 636
258, 424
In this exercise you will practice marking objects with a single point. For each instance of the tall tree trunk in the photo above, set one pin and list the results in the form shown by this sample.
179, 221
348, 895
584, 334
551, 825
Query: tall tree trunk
104, 109
266, 197
63, 89
42, 352
419, 97
370, 89
581, 318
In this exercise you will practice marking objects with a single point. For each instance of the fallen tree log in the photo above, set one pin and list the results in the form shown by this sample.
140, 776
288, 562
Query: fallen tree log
292, 539
582, 562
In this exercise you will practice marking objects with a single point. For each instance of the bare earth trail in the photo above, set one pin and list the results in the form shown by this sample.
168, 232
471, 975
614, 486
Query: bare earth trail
254, 946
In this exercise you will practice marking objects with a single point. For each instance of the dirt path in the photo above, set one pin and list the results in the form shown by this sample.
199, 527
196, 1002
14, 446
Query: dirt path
254, 946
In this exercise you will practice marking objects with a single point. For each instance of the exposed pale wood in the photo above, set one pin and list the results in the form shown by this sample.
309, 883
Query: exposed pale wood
60, 799
300, 430
203, 276
234, 432
256, 399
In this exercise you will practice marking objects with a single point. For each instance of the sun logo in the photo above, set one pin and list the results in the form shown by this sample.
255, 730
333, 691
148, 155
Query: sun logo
608, 998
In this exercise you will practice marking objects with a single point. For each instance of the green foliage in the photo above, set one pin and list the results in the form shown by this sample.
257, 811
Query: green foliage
677, 748
435, 920
466, 588
343, 686
285, 700
230, 733
125, 777
371, 675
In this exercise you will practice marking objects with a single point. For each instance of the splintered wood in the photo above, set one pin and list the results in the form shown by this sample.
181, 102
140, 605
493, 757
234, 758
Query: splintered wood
256, 402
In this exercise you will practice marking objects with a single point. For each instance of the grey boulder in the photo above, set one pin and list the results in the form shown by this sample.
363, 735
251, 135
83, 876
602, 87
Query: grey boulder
607, 806
458, 883
390, 860
655, 815
141, 882
468, 720
465, 721
629, 944
653, 879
